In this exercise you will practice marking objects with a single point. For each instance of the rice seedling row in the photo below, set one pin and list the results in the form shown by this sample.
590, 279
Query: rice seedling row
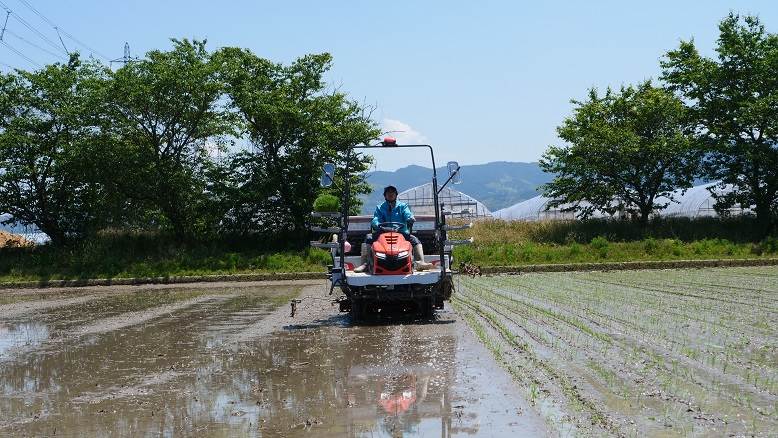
679, 351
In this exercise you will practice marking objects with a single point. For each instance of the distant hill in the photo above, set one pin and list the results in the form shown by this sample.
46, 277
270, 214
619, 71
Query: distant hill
499, 184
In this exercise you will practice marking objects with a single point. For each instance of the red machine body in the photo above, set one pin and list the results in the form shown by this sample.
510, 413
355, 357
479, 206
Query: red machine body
392, 255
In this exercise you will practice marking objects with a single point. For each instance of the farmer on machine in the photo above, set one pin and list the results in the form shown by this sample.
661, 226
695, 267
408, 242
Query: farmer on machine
391, 210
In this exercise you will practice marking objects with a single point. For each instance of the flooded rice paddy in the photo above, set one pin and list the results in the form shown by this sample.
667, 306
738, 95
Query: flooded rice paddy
227, 360
630, 353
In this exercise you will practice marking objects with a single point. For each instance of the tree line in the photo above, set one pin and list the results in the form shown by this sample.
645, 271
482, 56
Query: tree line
188, 141
715, 118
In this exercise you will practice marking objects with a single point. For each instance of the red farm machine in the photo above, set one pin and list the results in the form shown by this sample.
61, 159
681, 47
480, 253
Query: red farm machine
391, 280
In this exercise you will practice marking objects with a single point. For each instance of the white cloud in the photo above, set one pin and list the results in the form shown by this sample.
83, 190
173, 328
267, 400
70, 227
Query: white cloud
403, 132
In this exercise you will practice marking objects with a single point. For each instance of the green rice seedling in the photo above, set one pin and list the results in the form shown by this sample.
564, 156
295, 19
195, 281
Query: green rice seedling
533, 393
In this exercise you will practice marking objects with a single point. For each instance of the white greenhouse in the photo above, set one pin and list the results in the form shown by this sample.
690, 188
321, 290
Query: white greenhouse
694, 202
698, 202
460, 205
534, 209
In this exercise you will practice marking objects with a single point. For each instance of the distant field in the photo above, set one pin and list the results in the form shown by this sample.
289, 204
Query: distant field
689, 352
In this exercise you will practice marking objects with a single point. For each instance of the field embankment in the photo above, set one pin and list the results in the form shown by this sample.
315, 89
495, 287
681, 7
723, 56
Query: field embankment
148, 255
501, 246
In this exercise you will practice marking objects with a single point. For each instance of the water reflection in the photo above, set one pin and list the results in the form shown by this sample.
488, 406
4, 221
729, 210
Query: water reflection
14, 335
374, 380
187, 373
24, 334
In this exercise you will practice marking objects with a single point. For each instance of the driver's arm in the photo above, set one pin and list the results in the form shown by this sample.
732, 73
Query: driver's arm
409, 218
377, 218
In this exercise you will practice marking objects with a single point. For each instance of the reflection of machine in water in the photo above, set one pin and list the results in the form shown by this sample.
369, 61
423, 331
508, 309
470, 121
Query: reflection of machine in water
399, 396
399, 400
406, 388
362, 381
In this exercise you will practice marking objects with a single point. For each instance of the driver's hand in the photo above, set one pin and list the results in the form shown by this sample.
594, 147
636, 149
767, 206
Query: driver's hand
411, 222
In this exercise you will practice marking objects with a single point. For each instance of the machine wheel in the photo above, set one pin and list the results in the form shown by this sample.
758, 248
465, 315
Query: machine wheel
358, 310
427, 307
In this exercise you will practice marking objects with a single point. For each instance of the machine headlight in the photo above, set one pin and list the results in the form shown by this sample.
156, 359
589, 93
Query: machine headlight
380, 255
402, 254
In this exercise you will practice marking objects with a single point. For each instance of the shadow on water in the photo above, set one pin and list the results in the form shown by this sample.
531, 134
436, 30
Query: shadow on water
185, 373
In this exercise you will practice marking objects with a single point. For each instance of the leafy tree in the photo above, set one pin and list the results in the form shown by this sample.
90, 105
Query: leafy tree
626, 150
50, 127
734, 103
169, 114
293, 125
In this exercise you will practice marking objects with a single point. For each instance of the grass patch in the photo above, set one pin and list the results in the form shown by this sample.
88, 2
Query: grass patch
499, 243
114, 255
154, 255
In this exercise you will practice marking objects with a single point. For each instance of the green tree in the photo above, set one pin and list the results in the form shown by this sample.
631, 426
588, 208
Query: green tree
293, 125
51, 126
169, 115
734, 103
627, 150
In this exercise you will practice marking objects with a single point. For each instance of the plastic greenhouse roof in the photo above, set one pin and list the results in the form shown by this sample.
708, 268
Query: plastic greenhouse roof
694, 202
524, 210
421, 196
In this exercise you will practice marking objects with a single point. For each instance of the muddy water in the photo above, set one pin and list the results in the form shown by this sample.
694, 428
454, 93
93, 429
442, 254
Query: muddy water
229, 361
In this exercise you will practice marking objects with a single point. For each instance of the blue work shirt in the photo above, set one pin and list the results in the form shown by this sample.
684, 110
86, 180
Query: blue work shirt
400, 213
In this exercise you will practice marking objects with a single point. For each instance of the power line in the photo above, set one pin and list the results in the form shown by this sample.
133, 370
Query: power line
61, 30
32, 8
19, 37
74, 39
20, 54
29, 26
44, 18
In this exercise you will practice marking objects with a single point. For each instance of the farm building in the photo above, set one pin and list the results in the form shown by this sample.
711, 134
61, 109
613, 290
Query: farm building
420, 200
694, 202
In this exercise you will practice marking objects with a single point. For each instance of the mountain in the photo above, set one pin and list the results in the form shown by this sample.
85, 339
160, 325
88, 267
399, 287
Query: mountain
498, 184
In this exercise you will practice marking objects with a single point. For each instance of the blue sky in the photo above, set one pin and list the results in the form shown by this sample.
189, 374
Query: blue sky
481, 81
